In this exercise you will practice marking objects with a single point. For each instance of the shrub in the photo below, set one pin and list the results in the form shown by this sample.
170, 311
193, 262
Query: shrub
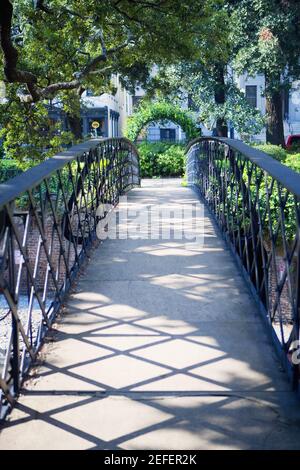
161, 159
171, 162
276, 151
8, 169
287, 157
1, 150
293, 161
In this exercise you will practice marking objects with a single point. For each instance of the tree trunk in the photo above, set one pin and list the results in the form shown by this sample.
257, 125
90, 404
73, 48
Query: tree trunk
75, 126
220, 98
274, 115
222, 129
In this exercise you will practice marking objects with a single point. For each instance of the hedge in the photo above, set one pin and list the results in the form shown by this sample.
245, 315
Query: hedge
157, 112
161, 159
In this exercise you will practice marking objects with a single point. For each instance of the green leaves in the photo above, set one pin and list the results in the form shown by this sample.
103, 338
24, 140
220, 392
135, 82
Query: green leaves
161, 159
29, 134
265, 37
197, 81
59, 40
274, 151
160, 111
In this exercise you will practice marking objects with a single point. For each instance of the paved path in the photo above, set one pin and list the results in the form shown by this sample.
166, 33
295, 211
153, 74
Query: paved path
160, 347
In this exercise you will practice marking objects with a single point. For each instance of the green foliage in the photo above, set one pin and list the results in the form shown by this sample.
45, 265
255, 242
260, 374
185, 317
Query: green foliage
273, 215
266, 39
276, 151
29, 136
289, 158
198, 82
293, 161
59, 40
171, 162
160, 111
1, 150
161, 159
8, 169
267, 205
244, 118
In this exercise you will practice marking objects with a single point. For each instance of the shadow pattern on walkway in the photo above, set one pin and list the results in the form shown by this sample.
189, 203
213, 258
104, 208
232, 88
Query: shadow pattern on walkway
160, 347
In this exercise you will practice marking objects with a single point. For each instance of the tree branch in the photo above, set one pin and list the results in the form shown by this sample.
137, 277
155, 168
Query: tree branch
14, 75
40, 5
10, 53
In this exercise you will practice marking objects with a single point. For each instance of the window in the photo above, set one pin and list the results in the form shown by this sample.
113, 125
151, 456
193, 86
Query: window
168, 134
89, 93
251, 95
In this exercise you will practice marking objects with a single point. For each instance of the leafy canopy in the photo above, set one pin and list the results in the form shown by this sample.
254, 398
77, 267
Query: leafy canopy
197, 82
266, 39
55, 49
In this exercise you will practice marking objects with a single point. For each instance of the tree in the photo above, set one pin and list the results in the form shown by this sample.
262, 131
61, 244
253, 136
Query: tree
211, 92
219, 89
207, 82
210, 70
266, 38
54, 50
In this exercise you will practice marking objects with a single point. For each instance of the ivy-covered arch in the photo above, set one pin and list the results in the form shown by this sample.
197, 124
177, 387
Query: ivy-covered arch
160, 111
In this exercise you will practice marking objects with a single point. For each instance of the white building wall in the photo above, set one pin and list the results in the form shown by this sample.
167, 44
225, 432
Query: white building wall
153, 132
124, 108
292, 124
259, 81
120, 103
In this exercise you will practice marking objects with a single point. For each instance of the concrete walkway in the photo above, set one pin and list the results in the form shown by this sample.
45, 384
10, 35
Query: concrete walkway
160, 347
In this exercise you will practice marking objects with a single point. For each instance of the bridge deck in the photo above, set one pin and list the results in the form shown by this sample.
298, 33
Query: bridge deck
160, 347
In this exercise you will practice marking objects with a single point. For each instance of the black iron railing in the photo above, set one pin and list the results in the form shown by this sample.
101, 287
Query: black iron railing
48, 223
256, 202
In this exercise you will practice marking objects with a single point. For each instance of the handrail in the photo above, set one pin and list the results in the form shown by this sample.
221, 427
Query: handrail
255, 200
282, 173
17, 185
49, 217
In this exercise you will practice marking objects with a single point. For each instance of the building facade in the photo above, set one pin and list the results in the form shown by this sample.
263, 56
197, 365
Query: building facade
101, 116
167, 131
253, 88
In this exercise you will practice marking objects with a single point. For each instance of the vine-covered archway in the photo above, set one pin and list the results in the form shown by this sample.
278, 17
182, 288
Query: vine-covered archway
160, 111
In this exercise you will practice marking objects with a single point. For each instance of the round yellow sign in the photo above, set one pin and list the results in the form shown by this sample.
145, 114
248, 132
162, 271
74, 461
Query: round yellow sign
95, 124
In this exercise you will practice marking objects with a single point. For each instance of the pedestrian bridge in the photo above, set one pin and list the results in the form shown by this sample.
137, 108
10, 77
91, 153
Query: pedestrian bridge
153, 314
